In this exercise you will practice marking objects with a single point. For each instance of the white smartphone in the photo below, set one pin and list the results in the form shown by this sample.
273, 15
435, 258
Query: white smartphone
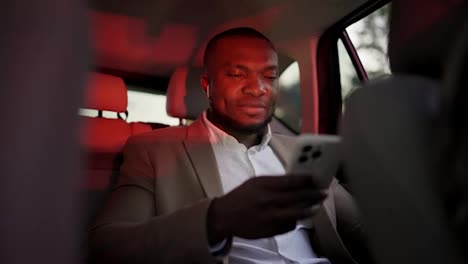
317, 155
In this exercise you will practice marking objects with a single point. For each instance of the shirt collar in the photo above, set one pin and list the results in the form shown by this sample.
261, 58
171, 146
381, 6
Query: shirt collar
219, 137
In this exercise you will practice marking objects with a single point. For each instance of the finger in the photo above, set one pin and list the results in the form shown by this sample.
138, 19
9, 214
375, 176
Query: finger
285, 183
269, 228
314, 209
291, 214
282, 227
303, 198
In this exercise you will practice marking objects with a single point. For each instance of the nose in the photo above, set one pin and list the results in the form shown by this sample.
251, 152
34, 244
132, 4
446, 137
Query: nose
255, 87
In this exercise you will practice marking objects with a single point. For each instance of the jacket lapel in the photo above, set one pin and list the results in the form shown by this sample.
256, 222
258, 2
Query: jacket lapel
203, 160
281, 145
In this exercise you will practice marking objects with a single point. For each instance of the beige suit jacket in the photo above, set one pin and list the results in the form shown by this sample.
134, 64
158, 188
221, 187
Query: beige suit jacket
157, 212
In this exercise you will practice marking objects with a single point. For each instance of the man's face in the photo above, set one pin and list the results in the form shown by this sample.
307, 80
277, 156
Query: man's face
242, 79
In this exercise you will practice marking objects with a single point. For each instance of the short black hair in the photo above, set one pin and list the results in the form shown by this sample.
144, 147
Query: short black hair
233, 32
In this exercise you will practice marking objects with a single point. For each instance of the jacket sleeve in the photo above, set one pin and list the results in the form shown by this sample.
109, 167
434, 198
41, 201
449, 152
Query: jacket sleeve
350, 227
129, 229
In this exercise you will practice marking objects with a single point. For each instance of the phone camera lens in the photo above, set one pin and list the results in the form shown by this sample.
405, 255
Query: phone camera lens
307, 148
316, 154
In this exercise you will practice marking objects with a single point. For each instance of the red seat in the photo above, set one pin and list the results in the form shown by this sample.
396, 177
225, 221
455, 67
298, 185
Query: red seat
102, 139
105, 137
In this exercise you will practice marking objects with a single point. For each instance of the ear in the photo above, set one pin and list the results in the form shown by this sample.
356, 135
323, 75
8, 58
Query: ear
205, 83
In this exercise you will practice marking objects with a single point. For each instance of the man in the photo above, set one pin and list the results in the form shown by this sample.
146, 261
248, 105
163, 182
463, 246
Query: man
191, 195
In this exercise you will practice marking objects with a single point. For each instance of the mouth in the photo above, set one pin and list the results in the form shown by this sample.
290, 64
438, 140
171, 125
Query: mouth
253, 105
253, 109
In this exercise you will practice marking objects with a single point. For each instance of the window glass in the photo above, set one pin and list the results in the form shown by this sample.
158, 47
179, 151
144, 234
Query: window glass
348, 75
88, 112
142, 107
370, 38
288, 107
148, 107
94, 113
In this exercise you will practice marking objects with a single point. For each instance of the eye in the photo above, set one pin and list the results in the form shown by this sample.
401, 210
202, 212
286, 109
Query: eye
235, 74
271, 77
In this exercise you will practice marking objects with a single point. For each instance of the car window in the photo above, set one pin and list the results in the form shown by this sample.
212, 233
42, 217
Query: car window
369, 38
142, 107
288, 106
148, 107
348, 76
105, 114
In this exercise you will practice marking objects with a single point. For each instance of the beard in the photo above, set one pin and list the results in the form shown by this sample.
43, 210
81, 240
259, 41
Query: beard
231, 124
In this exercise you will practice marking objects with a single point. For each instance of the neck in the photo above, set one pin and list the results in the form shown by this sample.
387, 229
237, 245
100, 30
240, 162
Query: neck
246, 137
248, 140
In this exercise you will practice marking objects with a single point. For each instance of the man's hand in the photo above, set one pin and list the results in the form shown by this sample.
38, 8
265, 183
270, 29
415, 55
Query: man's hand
263, 207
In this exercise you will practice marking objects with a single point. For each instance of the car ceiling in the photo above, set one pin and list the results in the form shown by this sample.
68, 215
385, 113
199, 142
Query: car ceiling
153, 37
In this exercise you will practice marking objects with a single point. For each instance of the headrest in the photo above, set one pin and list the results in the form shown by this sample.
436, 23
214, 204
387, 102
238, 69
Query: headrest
420, 44
185, 97
106, 92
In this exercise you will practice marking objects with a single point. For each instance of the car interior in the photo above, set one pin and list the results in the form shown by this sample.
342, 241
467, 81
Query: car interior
146, 56
161, 54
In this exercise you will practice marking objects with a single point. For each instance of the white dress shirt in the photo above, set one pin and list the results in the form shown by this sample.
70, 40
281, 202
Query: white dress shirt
237, 164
